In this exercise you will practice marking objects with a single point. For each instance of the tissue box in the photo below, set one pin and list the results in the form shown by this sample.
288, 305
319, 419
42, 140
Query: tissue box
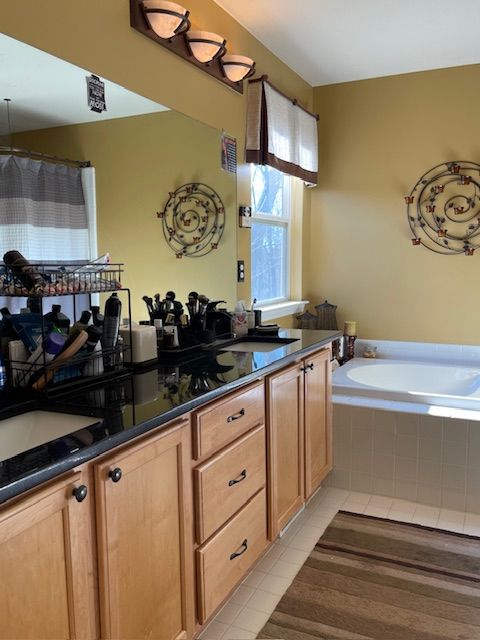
144, 343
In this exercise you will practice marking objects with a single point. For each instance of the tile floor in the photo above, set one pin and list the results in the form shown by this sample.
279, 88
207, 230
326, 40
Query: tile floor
253, 602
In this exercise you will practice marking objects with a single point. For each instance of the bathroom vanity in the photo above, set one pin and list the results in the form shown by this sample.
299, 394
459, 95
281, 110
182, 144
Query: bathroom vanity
141, 524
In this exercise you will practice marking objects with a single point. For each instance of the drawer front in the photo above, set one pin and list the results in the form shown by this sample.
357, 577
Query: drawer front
225, 559
222, 422
227, 481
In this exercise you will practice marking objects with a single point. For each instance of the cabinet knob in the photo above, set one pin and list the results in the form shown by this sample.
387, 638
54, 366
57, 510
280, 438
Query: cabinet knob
80, 493
236, 416
310, 366
115, 474
240, 477
243, 548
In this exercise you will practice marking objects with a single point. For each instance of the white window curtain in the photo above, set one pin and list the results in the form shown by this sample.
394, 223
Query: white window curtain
47, 212
42, 210
281, 133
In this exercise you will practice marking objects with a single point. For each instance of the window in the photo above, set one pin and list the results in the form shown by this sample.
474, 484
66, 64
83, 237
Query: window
271, 195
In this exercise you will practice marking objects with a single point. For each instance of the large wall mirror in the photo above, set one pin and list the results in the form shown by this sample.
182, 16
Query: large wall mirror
140, 151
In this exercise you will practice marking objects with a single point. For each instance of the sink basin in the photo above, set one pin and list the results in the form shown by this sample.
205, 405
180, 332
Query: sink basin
252, 344
32, 429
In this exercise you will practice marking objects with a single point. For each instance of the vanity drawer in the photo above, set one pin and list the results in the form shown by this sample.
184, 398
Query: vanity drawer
225, 559
225, 483
222, 422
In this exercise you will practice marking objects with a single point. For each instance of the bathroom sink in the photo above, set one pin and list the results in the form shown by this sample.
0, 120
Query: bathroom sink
32, 429
255, 343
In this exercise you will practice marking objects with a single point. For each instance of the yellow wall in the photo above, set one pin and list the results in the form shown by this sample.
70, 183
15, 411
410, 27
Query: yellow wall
97, 36
377, 137
132, 185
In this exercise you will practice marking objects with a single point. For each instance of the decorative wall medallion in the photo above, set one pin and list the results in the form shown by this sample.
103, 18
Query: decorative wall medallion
193, 220
443, 208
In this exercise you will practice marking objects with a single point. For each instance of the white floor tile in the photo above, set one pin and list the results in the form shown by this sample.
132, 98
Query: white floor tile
254, 578
455, 517
472, 520
264, 601
447, 525
401, 516
354, 507
284, 569
275, 585
234, 633
302, 543
378, 512
294, 556
229, 612
214, 631
361, 498
242, 595
251, 619
380, 501
266, 564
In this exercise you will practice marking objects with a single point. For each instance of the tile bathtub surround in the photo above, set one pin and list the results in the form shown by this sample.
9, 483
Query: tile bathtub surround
428, 459
246, 612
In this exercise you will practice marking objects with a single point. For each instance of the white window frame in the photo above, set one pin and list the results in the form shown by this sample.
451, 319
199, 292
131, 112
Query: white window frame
285, 222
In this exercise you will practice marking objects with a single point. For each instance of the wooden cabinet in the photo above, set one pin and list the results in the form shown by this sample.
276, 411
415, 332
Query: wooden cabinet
298, 435
46, 584
144, 532
318, 420
285, 437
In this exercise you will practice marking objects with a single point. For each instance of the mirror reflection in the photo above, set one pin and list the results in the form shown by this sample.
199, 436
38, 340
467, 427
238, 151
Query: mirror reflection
138, 153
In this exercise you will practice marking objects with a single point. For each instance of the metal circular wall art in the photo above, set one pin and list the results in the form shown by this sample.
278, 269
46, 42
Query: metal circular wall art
193, 220
443, 208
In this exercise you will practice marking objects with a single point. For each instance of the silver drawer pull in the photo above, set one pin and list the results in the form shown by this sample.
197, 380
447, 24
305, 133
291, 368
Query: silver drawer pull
243, 547
242, 476
236, 416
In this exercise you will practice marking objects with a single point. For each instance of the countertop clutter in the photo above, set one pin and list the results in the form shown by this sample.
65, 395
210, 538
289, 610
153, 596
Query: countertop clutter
105, 415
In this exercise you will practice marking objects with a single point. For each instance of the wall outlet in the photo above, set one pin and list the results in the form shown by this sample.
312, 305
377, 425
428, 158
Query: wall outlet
240, 270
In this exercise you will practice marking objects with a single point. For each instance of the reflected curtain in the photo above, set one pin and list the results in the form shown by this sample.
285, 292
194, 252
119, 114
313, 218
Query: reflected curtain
280, 133
42, 210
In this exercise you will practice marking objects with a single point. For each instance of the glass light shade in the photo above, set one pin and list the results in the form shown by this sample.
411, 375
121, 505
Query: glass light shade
205, 46
166, 19
236, 68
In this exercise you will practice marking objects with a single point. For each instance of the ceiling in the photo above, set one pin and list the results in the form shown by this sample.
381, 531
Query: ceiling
48, 92
331, 41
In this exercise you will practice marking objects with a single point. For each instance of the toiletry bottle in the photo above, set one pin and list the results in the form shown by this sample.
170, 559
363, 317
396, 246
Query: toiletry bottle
111, 325
23, 270
97, 317
58, 319
81, 325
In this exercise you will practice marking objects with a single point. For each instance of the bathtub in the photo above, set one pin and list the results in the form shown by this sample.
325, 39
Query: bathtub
416, 387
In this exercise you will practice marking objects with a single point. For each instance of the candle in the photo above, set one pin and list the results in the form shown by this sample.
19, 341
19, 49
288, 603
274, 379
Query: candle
350, 328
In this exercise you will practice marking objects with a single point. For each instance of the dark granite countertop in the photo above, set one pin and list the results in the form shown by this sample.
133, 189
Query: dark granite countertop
133, 404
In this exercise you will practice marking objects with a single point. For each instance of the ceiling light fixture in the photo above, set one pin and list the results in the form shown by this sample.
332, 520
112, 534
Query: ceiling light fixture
206, 46
168, 24
166, 19
237, 67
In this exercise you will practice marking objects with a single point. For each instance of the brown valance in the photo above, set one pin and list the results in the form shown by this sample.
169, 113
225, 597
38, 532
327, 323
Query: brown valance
280, 132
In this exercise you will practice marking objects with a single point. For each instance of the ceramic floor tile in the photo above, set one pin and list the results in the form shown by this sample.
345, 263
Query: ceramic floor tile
214, 631
380, 501
275, 585
361, 498
254, 578
284, 569
251, 619
229, 612
447, 525
472, 530
294, 556
354, 507
404, 506
401, 516
234, 633
264, 601
378, 512
242, 595
302, 543
455, 517
266, 564
472, 519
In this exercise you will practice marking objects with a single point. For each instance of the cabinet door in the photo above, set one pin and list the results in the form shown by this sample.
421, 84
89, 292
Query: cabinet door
45, 550
144, 531
285, 446
318, 437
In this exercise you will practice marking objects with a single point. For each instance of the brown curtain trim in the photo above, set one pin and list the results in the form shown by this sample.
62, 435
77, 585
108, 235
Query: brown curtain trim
256, 157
